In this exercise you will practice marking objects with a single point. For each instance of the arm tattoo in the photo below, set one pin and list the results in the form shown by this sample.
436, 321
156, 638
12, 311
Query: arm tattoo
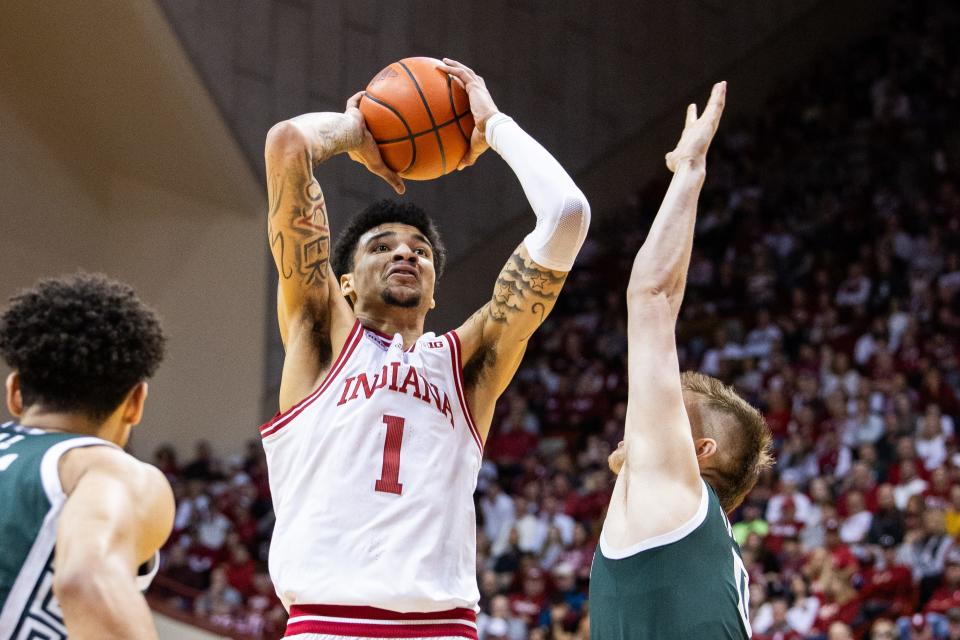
298, 228
523, 286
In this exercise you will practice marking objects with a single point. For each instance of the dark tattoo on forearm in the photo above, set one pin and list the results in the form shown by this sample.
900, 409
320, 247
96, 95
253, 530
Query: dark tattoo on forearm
277, 247
539, 308
298, 231
523, 286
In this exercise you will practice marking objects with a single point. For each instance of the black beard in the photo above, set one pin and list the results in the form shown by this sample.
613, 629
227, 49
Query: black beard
387, 296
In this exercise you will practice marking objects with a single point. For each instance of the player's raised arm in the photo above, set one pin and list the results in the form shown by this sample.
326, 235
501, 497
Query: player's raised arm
118, 513
495, 338
313, 317
659, 447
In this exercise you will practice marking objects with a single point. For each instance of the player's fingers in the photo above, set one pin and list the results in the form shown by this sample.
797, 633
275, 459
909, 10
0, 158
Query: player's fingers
691, 114
378, 167
354, 101
468, 159
474, 152
392, 179
456, 72
718, 99
454, 63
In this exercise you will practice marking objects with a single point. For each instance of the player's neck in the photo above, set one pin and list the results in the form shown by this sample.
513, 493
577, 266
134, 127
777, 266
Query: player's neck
407, 322
65, 422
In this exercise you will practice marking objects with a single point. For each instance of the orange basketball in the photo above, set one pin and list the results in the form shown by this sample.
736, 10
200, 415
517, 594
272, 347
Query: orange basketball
420, 118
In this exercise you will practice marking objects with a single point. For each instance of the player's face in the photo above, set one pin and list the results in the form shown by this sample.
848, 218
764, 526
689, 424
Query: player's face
393, 265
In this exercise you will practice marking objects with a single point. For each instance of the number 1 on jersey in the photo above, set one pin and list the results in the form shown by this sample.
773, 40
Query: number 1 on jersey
389, 481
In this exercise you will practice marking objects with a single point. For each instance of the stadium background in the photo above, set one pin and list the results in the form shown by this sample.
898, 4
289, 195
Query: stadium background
132, 143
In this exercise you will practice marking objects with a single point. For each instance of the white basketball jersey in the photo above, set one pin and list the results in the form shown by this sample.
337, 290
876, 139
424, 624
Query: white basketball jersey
373, 476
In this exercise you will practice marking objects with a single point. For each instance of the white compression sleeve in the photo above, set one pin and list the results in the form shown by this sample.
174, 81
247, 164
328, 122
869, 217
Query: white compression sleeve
563, 214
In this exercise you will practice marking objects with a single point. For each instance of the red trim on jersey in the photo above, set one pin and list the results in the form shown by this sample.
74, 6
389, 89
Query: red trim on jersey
284, 418
375, 613
456, 362
361, 630
372, 622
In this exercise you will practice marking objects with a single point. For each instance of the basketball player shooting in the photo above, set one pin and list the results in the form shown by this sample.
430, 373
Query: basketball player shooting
78, 516
374, 456
667, 566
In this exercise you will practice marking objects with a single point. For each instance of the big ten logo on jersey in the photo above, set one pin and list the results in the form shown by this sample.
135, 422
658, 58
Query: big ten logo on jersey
398, 378
7, 440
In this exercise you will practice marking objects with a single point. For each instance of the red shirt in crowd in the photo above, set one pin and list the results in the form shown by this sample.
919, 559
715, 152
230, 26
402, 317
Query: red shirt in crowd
831, 612
892, 586
788, 634
511, 446
944, 598
240, 576
780, 531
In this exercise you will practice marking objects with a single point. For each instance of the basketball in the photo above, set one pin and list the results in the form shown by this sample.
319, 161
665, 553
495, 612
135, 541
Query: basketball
420, 118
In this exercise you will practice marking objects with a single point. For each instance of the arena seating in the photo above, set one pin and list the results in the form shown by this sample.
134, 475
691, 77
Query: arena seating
824, 284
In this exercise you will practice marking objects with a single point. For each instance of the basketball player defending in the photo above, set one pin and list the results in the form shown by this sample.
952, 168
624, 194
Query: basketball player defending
667, 567
374, 457
78, 516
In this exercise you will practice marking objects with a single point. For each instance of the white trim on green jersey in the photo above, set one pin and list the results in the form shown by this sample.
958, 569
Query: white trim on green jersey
663, 539
38, 559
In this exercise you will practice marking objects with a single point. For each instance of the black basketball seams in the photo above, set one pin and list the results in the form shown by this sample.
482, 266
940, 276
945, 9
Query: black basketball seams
410, 136
453, 108
426, 105
428, 131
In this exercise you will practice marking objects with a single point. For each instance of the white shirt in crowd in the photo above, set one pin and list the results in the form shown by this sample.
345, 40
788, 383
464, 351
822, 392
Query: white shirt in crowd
801, 505
903, 492
932, 451
863, 430
854, 529
498, 515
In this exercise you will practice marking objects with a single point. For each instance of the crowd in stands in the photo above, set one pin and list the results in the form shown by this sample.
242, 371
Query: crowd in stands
824, 285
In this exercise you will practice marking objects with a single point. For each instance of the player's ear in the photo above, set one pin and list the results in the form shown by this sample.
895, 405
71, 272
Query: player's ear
14, 397
433, 303
705, 447
346, 287
132, 410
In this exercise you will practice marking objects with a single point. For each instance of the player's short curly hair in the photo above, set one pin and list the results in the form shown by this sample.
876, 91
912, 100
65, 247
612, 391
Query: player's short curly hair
743, 439
80, 343
383, 212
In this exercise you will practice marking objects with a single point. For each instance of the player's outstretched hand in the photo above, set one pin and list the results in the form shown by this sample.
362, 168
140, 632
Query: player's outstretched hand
367, 152
481, 106
698, 132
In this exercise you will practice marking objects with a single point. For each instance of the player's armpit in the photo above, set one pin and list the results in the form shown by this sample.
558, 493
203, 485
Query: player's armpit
495, 337
118, 513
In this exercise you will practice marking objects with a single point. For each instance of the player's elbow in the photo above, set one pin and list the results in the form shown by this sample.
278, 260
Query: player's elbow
84, 581
652, 278
651, 286
575, 205
75, 586
561, 230
284, 139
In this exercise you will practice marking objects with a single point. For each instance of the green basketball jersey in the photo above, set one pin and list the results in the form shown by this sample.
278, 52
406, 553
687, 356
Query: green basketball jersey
31, 499
689, 583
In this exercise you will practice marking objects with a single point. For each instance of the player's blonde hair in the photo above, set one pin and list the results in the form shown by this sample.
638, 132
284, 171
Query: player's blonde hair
743, 440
